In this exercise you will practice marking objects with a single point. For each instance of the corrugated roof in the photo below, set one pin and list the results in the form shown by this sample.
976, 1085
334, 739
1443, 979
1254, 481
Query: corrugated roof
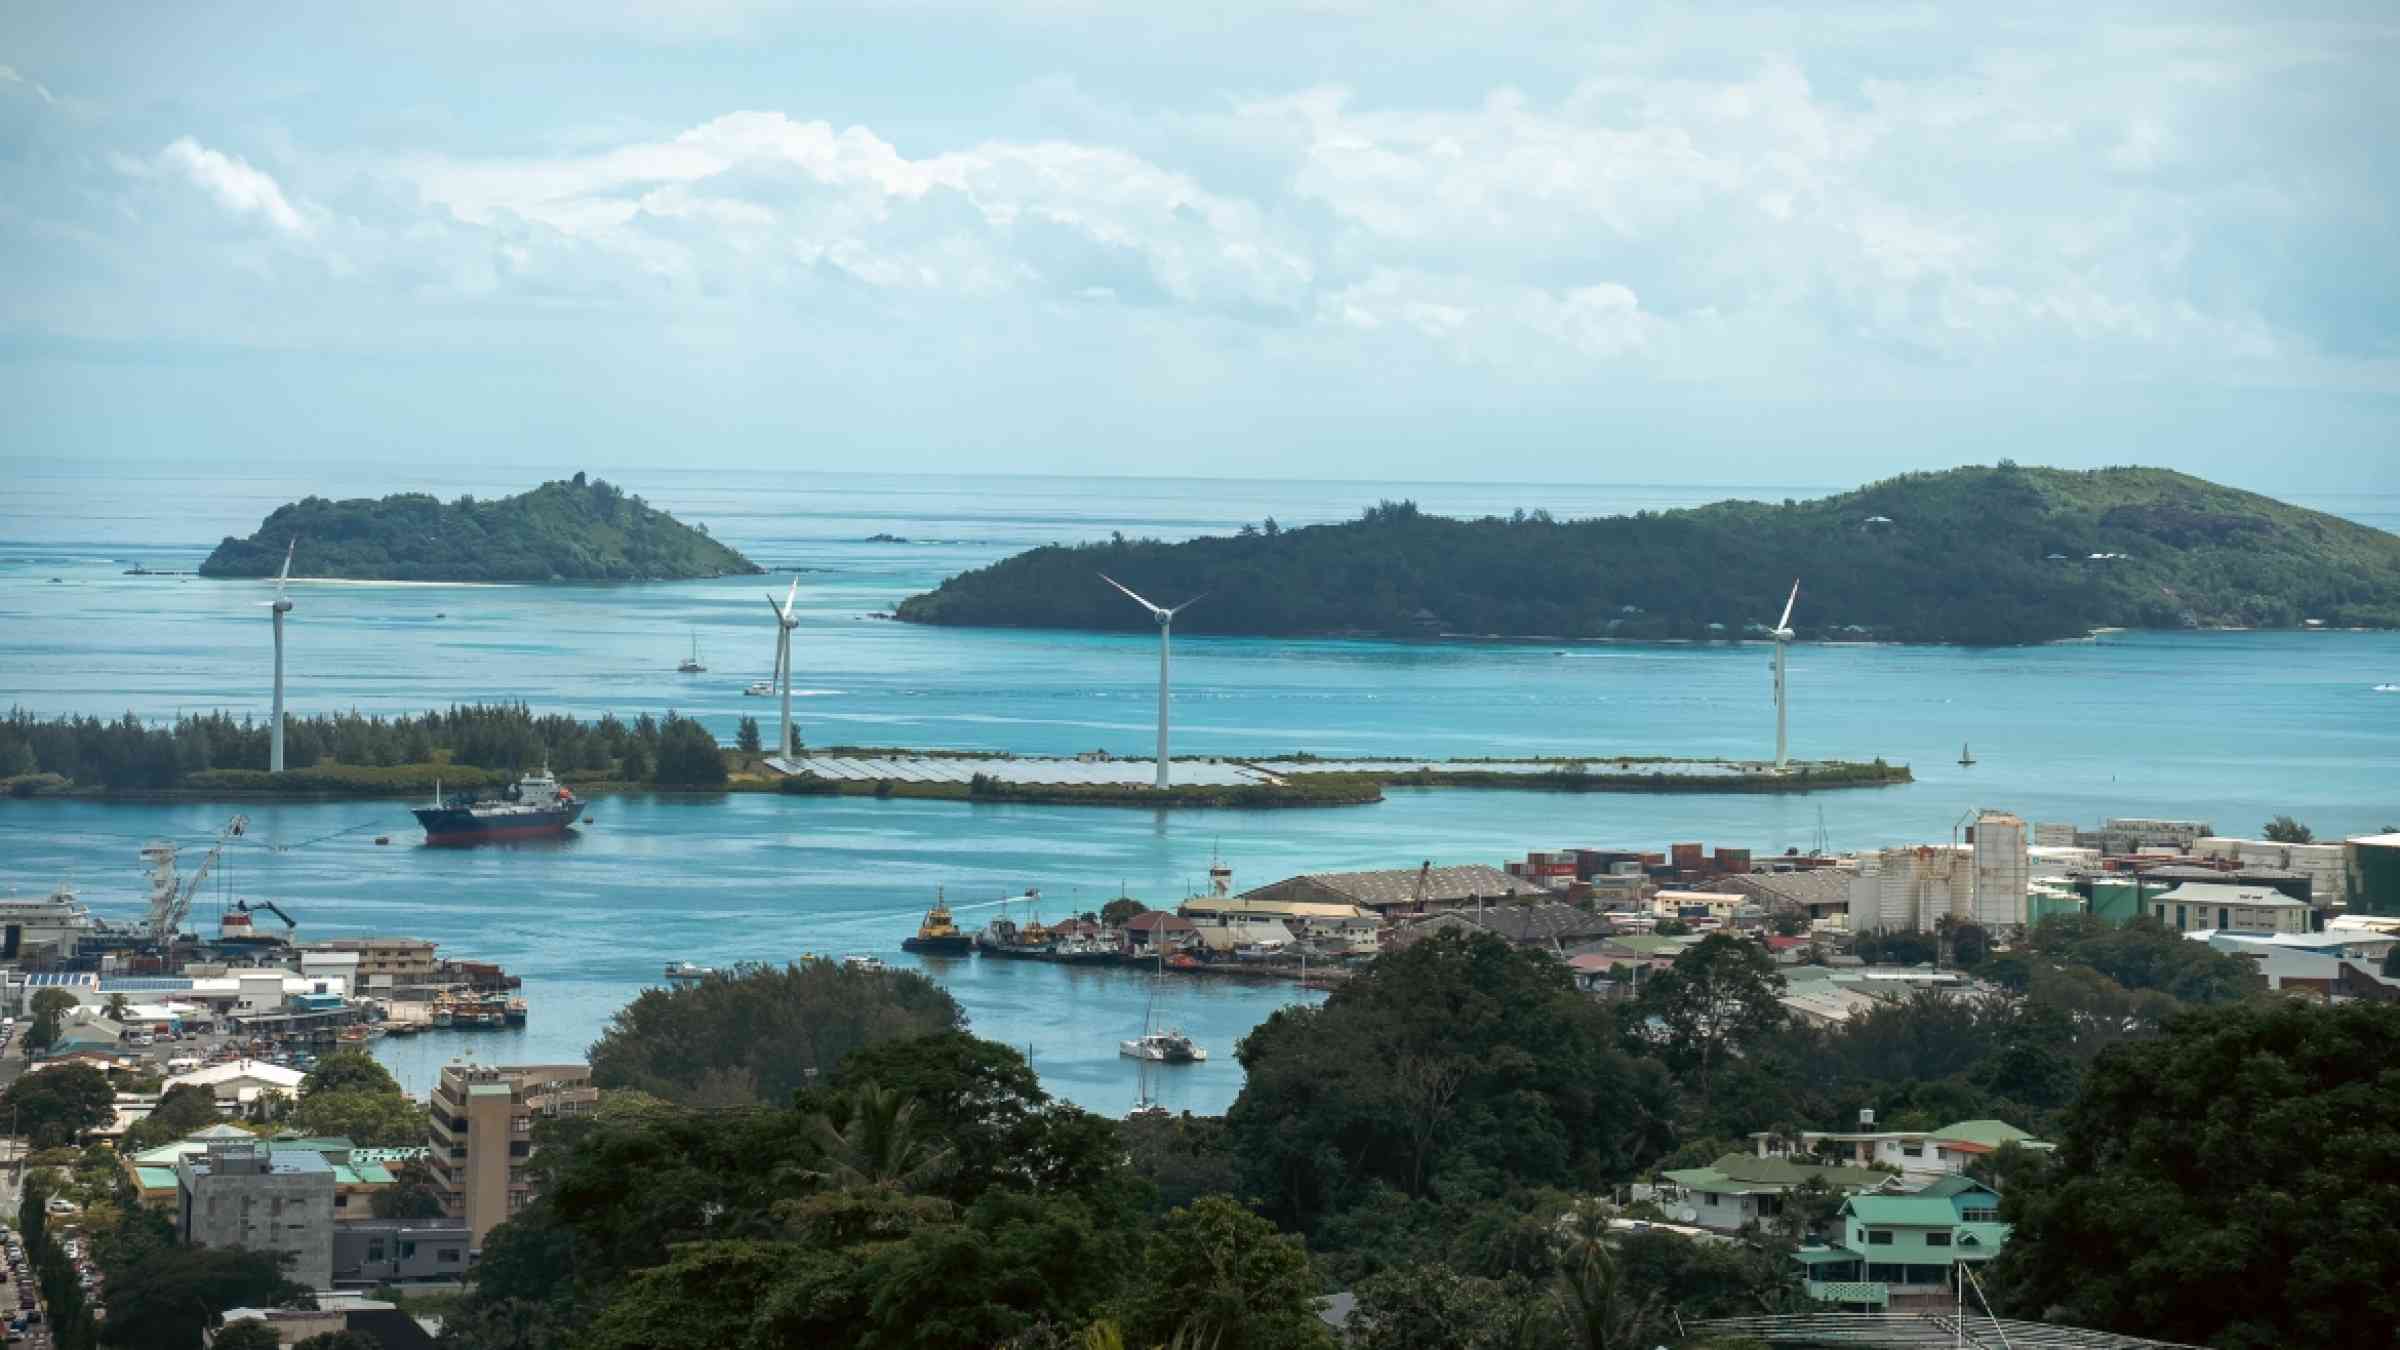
2207, 893
1989, 1133
1399, 885
154, 1178
1913, 1211
1955, 1184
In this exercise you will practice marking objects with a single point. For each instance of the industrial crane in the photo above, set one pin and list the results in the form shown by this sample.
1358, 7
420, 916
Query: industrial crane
171, 902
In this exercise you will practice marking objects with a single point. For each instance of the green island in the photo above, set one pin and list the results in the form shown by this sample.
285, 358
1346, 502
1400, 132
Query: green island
1978, 555
568, 530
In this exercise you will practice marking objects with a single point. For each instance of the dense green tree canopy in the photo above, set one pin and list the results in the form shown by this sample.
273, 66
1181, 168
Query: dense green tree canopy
688, 756
2002, 554
369, 1119
1457, 1066
1227, 1276
56, 1105
185, 1109
569, 530
759, 1033
348, 1071
1719, 993
2230, 1183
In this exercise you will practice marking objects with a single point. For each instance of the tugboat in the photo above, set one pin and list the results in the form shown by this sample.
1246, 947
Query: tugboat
534, 805
939, 935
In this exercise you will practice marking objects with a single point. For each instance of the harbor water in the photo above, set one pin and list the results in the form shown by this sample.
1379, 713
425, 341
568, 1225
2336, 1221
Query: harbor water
2227, 727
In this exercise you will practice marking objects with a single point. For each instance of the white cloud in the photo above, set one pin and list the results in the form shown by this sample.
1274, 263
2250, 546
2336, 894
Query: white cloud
11, 75
234, 184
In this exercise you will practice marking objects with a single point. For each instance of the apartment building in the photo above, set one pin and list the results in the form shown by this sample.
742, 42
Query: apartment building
247, 1194
482, 1133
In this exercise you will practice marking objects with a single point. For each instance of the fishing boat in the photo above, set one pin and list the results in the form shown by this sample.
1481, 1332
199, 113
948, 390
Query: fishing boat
939, 934
1965, 756
1004, 936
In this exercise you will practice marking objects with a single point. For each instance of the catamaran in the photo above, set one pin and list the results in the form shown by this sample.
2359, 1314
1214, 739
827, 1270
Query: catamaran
1164, 1046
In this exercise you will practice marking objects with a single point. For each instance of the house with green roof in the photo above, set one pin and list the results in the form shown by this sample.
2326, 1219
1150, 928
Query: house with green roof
1919, 1155
1742, 1188
1902, 1251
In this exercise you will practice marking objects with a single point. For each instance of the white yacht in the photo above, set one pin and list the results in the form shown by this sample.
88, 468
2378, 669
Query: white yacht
57, 919
761, 689
1165, 1047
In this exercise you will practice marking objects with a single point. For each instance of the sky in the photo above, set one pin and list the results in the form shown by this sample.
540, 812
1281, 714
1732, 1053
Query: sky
1543, 242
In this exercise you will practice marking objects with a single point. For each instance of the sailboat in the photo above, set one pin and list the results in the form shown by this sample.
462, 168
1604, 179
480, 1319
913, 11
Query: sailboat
690, 665
1964, 756
1144, 1106
1163, 1046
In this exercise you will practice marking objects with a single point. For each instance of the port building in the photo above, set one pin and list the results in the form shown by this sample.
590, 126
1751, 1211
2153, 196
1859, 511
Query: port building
2247, 909
1400, 890
2375, 860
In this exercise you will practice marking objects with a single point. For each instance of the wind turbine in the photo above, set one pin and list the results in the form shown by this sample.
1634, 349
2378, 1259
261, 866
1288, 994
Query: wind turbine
785, 621
278, 607
1166, 621
1783, 636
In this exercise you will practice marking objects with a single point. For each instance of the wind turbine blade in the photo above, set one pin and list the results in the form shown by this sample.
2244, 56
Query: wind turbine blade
793, 596
1786, 620
1187, 604
286, 573
771, 604
1136, 599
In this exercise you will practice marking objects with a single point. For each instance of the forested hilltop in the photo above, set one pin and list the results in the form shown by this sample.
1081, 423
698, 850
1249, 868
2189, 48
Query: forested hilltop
1977, 555
570, 530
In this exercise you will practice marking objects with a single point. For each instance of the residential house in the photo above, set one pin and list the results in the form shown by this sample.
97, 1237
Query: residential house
1904, 1251
1921, 1156
1743, 1188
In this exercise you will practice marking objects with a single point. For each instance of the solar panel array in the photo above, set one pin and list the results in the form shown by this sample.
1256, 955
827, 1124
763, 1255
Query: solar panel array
1042, 772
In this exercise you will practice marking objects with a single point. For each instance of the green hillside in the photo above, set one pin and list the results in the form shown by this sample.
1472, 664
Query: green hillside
1977, 555
561, 531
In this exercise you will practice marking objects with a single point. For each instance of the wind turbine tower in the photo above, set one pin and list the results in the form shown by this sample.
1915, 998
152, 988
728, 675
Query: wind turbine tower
278, 607
1783, 638
786, 619
1166, 622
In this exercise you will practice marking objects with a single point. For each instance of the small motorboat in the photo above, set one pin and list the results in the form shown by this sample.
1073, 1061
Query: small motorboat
761, 689
862, 961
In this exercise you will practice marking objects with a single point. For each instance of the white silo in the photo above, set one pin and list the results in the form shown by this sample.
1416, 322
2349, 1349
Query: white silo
2003, 871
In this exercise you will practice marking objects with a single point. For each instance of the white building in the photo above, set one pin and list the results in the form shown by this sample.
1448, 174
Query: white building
2251, 909
1909, 890
2325, 865
2003, 871
241, 1080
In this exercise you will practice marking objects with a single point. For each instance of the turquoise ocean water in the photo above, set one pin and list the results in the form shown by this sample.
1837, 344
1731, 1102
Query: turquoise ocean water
2230, 727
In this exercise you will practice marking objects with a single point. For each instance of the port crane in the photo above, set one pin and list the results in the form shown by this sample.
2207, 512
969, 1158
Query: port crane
170, 897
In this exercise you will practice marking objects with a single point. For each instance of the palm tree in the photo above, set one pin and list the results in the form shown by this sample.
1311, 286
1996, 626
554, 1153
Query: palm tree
868, 1140
1599, 1310
117, 1007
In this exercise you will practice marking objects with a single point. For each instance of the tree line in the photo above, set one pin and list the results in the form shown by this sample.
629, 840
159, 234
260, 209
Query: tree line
361, 751
1440, 1138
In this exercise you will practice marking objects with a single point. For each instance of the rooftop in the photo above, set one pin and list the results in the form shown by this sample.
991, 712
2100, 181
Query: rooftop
1401, 885
2207, 893
1743, 1173
1915, 1211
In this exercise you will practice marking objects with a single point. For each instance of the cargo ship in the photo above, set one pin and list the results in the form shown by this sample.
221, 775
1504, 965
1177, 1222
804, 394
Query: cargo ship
532, 807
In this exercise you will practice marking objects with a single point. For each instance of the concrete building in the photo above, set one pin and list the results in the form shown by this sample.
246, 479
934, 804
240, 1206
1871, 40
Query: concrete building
1156, 930
2374, 861
385, 962
2249, 909
482, 1133
2132, 834
1910, 890
247, 1194
376, 1252
2003, 872
2327, 866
